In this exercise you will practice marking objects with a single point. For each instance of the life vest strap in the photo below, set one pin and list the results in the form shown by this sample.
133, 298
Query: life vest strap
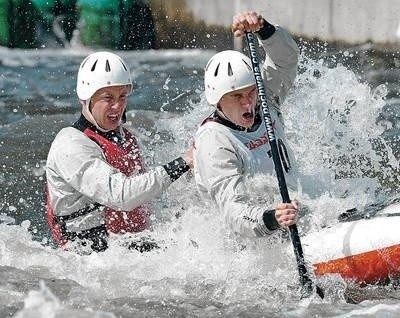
97, 235
81, 212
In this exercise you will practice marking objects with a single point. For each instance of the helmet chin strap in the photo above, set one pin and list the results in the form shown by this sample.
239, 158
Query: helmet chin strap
219, 109
88, 113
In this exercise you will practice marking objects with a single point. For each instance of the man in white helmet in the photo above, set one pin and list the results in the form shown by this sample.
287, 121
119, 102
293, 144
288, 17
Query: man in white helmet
232, 143
96, 180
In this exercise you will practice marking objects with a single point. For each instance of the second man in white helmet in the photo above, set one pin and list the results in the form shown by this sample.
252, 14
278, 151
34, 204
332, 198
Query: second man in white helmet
232, 143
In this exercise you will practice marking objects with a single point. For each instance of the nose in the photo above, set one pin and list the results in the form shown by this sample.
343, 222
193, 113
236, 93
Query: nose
118, 102
246, 100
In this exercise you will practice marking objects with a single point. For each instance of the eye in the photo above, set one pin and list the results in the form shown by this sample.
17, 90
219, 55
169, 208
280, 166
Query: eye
107, 98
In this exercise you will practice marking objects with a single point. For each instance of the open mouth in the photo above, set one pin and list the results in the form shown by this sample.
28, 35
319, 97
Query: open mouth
113, 117
248, 115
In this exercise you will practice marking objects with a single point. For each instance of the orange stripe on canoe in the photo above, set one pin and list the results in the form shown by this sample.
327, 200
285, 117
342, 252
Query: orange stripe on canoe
369, 267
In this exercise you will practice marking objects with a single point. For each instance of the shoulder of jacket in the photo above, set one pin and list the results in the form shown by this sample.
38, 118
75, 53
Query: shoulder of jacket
70, 139
69, 132
212, 131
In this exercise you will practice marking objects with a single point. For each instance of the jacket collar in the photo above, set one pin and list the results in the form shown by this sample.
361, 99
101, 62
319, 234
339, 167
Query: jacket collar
114, 135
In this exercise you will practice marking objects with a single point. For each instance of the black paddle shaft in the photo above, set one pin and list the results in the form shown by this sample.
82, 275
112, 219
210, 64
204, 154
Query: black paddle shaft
294, 234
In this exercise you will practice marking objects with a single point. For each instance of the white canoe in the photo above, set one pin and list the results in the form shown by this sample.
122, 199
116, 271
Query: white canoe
365, 251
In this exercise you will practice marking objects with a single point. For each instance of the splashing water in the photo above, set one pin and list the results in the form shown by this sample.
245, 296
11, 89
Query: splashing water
200, 270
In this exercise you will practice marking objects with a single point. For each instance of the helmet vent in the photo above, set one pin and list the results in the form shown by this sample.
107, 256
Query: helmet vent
124, 66
216, 70
248, 66
208, 64
94, 66
230, 72
108, 69
84, 62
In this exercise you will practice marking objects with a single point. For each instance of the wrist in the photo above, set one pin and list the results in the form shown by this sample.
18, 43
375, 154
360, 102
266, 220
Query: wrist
188, 160
266, 31
270, 220
176, 168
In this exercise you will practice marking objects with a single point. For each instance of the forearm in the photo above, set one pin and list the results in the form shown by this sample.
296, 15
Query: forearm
279, 45
118, 191
281, 61
243, 217
249, 221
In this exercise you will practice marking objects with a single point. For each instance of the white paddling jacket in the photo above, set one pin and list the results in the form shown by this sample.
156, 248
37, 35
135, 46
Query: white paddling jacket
85, 181
226, 154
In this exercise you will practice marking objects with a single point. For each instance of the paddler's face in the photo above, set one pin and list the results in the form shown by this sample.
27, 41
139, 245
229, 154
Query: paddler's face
108, 104
239, 106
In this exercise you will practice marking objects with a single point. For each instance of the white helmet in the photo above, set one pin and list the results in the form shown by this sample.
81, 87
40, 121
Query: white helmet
101, 69
225, 72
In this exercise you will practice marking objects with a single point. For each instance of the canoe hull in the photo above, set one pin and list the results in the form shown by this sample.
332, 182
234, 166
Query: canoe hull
371, 267
365, 251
